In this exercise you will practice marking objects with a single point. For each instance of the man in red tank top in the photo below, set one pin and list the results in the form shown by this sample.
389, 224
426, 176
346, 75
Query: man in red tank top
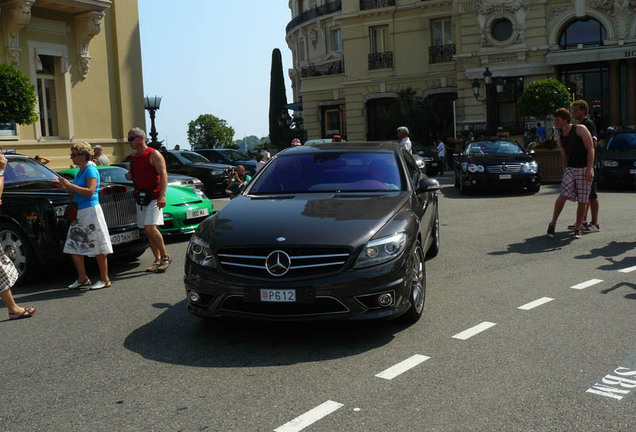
150, 178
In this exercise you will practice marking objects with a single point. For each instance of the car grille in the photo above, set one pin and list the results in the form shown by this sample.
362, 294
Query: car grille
118, 205
320, 306
304, 261
499, 169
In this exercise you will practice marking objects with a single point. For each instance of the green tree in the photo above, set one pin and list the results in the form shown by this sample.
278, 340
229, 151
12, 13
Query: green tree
17, 97
277, 102
541, 98
208, 131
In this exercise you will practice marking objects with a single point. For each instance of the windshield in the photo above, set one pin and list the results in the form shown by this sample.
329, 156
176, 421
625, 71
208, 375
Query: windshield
113, 174
191, 157
334, 171
25, 170
622, 142
479, 148
235, 156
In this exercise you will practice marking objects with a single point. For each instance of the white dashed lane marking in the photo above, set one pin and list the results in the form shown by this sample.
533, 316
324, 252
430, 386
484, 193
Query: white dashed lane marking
310, 417
628, 269
534, 304
587, 284
474, 330
402, 367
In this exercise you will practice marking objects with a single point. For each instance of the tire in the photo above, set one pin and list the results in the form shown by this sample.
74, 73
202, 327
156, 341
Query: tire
535, 188
464, 190
16, 246
433, 249
455, 179
417, 286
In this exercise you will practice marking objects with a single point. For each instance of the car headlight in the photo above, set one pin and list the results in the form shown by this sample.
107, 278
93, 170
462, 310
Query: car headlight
529, 167
199, 193
60, 210
199, 251
381, 250
610, 163
473, 168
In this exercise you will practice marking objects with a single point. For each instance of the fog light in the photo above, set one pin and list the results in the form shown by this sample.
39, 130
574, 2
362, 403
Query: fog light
385, 299
193, 296
474, 181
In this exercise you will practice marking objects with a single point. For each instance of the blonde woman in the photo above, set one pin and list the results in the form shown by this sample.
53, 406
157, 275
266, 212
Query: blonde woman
88, 233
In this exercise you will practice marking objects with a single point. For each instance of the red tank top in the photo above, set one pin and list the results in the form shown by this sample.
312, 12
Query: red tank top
145, 176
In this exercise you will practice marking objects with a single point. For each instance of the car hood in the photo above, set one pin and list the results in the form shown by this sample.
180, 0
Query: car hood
33, 187
324, 219
497, 159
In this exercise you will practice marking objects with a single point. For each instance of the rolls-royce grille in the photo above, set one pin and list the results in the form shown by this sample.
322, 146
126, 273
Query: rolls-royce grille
504, 169
321, 306
118, 205
302, 261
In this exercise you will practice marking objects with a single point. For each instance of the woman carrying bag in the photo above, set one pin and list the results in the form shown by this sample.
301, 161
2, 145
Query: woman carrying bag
88, 233
8, 272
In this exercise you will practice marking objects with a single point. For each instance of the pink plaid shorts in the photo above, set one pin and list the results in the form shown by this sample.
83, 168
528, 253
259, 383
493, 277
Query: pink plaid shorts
574, 186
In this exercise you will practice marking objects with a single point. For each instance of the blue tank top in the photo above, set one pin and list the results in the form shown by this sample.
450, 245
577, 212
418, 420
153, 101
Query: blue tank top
83, 202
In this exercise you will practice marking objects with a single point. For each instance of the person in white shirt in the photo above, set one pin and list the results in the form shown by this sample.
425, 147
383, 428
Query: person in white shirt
403, 136
266, 154
260, 162
441, 151
100, 158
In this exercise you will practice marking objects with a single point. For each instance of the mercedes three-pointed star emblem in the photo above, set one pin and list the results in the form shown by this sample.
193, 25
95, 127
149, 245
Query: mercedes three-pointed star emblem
277, 263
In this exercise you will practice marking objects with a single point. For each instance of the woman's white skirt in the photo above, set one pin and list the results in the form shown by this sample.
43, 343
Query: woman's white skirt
88, 234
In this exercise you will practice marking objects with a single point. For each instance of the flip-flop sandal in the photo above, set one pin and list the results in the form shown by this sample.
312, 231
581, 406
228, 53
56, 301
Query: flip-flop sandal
27, 313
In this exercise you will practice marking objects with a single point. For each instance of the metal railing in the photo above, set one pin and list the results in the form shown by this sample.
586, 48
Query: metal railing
331, 68
375, 4
381, 60
441, 53
318, 11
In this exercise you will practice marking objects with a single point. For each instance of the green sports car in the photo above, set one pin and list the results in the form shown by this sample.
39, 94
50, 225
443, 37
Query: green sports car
185, 208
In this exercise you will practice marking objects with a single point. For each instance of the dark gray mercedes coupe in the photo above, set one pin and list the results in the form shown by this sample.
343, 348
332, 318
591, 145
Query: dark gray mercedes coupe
325, 231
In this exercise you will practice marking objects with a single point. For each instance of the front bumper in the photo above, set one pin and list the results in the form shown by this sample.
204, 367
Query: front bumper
485, 180
350, 295
618, 176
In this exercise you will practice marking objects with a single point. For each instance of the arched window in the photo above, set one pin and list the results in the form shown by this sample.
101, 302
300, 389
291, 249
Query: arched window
582, 33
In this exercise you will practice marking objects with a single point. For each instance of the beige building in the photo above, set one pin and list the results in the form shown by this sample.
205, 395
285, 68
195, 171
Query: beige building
353, 58
84, 57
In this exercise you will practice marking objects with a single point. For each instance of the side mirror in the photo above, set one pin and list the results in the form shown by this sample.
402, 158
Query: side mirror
427, 185
531, 146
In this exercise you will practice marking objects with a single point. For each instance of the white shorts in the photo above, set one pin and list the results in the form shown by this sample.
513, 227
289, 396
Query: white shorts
150, 215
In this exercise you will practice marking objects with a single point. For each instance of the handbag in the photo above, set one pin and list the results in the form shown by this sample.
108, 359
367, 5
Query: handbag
143, 197
70, 214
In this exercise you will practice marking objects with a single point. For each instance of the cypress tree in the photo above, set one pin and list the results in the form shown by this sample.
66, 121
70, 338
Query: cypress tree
277, 101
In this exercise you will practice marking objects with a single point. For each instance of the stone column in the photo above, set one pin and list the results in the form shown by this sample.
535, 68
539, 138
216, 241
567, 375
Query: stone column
630, 91
614, 93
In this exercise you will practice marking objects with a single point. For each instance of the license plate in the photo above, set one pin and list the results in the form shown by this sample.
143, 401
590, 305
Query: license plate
278, 295
632, 171
126, 237
505, 176
434, 164
197, 213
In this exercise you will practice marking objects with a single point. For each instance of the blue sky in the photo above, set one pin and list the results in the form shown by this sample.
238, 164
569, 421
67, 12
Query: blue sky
212, 57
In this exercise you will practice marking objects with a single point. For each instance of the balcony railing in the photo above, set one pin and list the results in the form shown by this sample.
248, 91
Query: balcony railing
441, 53
375, 4
332, 68
381, 60
326, 9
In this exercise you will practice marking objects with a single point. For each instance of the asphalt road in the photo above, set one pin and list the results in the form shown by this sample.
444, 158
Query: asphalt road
130, 358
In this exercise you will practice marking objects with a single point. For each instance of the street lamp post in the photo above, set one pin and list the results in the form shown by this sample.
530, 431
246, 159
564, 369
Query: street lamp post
491, 91
152, 105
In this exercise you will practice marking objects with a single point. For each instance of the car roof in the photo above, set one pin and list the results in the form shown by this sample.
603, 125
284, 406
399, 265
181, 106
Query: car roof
349, 145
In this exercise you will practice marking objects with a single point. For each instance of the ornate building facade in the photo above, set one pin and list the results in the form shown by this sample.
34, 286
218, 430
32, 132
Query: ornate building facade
84, 58
352, 59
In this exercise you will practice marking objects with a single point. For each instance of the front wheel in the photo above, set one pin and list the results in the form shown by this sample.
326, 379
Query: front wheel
15, 245
417, 285
534, 188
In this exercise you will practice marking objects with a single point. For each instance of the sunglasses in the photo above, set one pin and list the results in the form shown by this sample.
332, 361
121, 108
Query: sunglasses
132, 138
75, 154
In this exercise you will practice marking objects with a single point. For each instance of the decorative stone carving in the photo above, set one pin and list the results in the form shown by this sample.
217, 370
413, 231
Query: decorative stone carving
15, 16
489, 9
87, 26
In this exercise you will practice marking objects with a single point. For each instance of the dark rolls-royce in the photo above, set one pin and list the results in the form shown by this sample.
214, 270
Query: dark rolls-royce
33, 227
497, 163
327, 231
